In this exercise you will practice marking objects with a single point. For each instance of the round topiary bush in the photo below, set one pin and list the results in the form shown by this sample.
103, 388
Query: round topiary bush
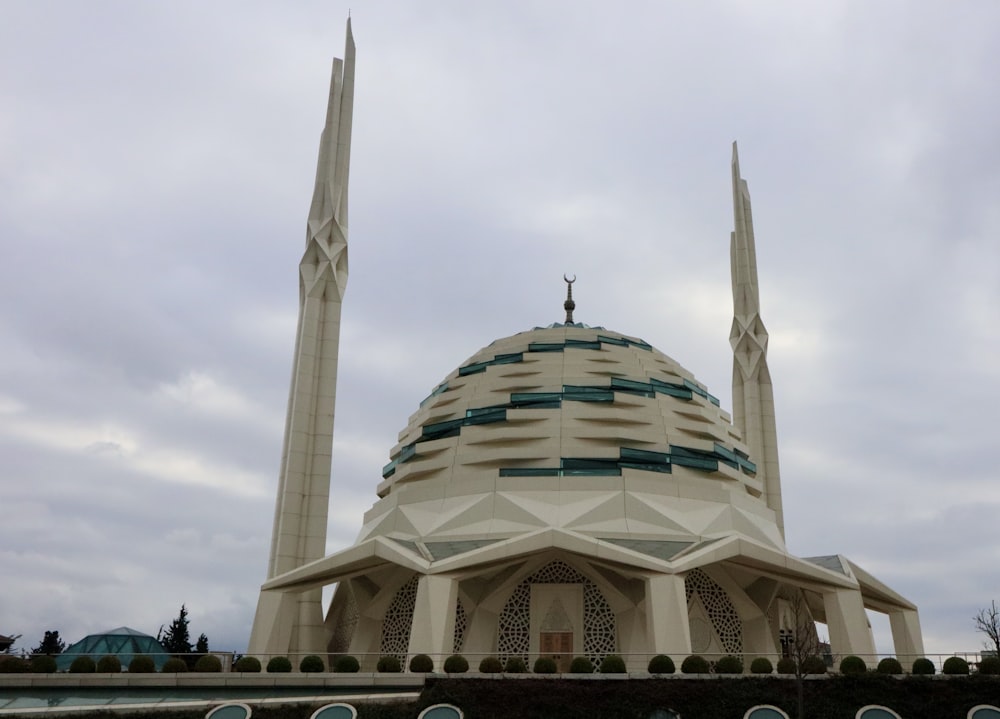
83, 665
581, 665
889, 665
311, 663
955, 665
42, 664
729, 665
853, 666
279, 665
661, 664
174, 666
695, 664
12, 665
612, 664
389, 665
813, 665
761, 665
786, 665
421, 663
490, 665
109, 665
456, 664
208, 663
923, 666
346, 665
515, 665
989, 666
141, 664
545, 665
250, 665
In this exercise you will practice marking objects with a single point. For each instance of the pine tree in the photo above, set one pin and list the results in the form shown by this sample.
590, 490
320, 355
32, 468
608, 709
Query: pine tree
201, 646
51, 644
176, 640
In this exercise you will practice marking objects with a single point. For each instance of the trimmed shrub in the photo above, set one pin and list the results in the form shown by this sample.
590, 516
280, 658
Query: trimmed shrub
42, 664
389, 665
729, 665
83, 665
545, 665
889, 665
12, 665
581, 665
279, 665
813, 665
694, 665
852, 665
786, 665
456, 664
661, 664
346, 665
312, 664
109, 665
955, 665
923, 666
490, 665
761, 665
251, 665
990, 666
421, 663
612, 664
141, 664
208, 663
515, 665
174, 666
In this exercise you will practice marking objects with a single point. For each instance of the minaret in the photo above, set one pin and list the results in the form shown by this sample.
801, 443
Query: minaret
300, 517
753, 396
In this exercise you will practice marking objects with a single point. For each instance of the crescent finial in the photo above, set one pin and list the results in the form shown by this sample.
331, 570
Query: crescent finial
569, 305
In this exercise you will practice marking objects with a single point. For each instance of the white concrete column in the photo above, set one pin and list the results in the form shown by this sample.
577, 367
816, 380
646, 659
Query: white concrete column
848, 623
906, 637
433, 631
667, 625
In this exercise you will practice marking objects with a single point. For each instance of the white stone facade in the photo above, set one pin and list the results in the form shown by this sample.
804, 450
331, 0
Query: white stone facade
572, 491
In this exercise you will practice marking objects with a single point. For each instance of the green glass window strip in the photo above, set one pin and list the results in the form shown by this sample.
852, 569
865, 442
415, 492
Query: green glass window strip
662, 468
641, 345
573, 463
632, 386
497, 415
669, 388
546, 347
475, 412
644, 456
477, 367
583, 344
572, 393
440, 430
727, 456
528, 472
437, 390
619, 341
536, 399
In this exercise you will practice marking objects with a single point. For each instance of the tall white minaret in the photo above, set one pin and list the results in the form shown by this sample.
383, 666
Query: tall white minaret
753, 396
299, 536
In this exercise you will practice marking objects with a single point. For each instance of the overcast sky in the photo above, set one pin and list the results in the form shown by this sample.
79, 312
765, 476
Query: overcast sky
156, 168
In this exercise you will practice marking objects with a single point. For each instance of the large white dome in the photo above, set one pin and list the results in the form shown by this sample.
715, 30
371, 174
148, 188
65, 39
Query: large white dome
572, 427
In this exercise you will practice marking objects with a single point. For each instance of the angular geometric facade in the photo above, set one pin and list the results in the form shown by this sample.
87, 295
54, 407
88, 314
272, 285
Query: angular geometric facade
572, 491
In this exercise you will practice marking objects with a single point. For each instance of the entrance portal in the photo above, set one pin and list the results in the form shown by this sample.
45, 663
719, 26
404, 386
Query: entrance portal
557, 622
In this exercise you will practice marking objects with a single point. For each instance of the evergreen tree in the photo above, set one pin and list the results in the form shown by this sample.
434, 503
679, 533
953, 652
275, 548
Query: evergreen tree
51, 644
201, 646
177, 639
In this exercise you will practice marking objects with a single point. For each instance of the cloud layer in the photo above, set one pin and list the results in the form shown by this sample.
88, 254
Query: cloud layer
156, 166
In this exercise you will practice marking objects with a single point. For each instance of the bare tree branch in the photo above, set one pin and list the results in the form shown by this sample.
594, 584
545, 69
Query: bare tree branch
988, 622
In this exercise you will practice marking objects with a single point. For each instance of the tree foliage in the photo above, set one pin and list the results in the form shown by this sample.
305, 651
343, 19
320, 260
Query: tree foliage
176, 639
50, 644
988, 623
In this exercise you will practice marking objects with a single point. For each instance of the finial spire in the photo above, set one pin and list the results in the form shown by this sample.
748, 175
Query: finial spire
569, 305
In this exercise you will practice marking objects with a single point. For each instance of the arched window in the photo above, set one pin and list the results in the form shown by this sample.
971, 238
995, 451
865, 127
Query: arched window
765, 711
231, 710
984, 711
335, 711
441, 711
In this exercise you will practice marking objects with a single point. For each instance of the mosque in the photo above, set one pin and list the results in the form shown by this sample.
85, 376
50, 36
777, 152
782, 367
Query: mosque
567, 491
